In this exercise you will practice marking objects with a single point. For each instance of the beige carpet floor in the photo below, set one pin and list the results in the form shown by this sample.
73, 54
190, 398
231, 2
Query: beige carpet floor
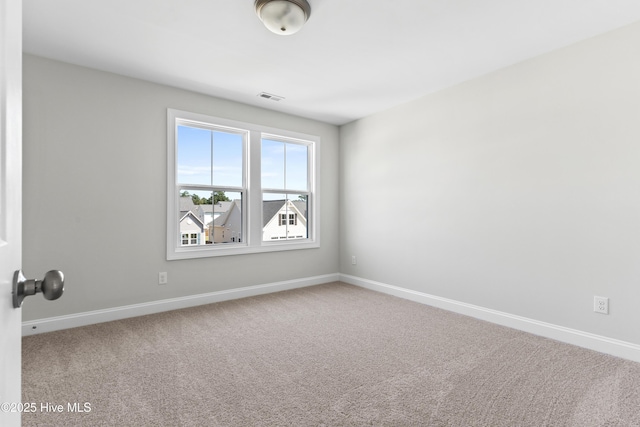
328, 355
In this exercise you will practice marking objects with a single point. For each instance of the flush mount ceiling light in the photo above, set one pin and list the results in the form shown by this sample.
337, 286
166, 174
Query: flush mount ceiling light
283, 16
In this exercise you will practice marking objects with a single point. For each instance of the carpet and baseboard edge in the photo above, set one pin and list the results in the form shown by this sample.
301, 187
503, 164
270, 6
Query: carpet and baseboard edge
602, 344
51, 324
588, 340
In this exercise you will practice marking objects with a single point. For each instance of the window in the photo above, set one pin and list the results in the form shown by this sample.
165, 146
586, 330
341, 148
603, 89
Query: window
291, 220
237, 188
187, 239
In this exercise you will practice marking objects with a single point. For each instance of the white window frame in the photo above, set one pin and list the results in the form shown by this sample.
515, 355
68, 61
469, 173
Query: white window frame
252, 196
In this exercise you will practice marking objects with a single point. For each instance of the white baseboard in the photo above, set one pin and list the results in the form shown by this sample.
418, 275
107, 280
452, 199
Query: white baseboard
50, 324
598, 343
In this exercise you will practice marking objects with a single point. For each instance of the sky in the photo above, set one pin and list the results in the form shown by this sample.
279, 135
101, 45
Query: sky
212, 157
207, 157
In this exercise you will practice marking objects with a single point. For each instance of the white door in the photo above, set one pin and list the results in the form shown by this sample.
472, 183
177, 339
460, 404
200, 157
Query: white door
10, 206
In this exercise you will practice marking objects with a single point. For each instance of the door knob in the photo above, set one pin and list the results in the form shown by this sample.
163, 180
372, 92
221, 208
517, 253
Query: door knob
51, 286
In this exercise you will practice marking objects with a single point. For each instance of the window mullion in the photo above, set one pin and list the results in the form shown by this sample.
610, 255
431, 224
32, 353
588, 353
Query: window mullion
254, 197
211, 150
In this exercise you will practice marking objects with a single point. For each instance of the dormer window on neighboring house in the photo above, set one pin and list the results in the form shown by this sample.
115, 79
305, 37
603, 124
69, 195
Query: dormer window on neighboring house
292, 219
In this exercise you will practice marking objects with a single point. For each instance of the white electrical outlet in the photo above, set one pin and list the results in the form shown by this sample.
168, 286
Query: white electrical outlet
353, 259
163, 278
601, 305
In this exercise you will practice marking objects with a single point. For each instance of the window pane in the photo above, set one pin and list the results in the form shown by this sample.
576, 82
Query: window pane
298, 210
284, 217
194, 215
227, 226
272, 164
296, 167
227, 159
194, 156
273, 217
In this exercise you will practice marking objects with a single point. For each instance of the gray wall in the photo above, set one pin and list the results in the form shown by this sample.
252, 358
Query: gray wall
518, 191
95, 192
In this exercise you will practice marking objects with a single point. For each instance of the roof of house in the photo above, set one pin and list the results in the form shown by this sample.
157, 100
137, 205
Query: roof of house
186, 205
206, 208
219, 207
225, 208
272, 207
191, 215
269, 209
224, 216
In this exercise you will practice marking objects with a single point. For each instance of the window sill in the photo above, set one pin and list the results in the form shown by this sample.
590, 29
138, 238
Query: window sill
208, 252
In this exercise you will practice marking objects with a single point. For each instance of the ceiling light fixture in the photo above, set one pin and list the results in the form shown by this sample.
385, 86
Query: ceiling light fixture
283, 16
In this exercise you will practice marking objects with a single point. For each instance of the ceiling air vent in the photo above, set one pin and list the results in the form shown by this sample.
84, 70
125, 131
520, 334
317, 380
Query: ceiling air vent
270, 96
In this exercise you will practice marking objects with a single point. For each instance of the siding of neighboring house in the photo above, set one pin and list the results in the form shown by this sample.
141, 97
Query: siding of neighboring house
227, 227
191, 224
196, 215
207, 213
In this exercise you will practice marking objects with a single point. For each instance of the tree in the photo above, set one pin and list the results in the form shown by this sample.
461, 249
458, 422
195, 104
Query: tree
196, 199
219, 196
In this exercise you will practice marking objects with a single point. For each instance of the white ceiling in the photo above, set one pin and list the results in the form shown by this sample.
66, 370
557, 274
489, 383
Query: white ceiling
352, 58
